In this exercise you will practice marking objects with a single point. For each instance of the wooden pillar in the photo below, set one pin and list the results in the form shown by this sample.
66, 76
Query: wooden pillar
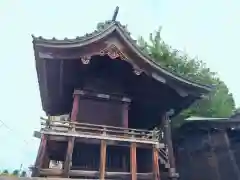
133, 161
40, 156
156, 172
46, 159
75, 107
103, 159
68, 159
168, 141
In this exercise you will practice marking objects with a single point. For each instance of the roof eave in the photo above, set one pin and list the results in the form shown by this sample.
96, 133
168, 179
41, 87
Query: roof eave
115, 26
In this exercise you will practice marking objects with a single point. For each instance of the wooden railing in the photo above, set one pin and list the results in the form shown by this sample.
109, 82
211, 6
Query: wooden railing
100, 130
105, 134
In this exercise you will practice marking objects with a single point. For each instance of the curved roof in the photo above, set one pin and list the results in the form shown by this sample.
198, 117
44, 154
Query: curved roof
104, 30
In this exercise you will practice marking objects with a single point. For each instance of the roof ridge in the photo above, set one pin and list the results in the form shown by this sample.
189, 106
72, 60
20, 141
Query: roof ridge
101, 26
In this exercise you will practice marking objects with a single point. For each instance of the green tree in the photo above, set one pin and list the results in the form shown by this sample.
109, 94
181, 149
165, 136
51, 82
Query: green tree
5, 172
15, 172
218, 103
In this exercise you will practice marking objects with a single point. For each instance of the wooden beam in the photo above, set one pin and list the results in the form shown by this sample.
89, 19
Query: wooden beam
133, 161
68, 159
111, 138
93, 174
156, 172
103, 159
51, 172
40, 157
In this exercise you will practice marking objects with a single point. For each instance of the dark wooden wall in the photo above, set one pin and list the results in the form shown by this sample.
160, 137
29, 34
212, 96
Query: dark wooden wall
102, 112
207, 153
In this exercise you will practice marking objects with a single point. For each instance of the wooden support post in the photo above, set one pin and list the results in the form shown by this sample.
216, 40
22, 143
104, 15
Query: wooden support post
156, 172
103, 159
46, 160
133, 161
40, 156
168, 141
68, 159
74, 113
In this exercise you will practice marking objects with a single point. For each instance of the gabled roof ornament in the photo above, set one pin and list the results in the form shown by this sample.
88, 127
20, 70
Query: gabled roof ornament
115, 14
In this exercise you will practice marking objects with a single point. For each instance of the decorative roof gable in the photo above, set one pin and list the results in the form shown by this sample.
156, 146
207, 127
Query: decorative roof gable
108, 28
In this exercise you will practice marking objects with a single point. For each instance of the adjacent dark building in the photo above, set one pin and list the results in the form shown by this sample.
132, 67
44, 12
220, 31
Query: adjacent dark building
208, 148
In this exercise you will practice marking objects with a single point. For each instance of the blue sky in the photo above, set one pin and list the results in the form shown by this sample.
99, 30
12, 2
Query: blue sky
203, 28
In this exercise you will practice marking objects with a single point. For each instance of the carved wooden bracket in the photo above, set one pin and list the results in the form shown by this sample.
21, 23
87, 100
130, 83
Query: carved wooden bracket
86, 59
137, 71
113, 52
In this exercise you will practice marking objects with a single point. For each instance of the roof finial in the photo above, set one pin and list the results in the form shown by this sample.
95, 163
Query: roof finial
115, 14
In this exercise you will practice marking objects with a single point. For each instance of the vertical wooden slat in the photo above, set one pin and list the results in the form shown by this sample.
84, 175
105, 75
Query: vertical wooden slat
45, 79
68, 159
40, 156
231, 154
61, 75
102, 159
133, 161
124, 162
213, 159
156, 173
125, 115
75, 107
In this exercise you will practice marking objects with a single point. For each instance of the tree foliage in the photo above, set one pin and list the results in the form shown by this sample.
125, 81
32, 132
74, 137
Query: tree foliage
5, 172
218, 103
14, 173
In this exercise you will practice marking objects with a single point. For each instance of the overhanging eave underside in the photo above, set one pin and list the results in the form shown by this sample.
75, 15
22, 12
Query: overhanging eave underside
114, 29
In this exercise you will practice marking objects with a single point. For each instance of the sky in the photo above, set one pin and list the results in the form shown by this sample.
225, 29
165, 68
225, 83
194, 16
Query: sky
202, 28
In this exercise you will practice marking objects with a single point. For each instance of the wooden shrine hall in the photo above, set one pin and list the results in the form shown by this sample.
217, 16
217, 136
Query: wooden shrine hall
115, 96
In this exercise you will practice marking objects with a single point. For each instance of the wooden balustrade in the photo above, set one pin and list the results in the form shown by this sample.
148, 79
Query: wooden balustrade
104, 133
93, 129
